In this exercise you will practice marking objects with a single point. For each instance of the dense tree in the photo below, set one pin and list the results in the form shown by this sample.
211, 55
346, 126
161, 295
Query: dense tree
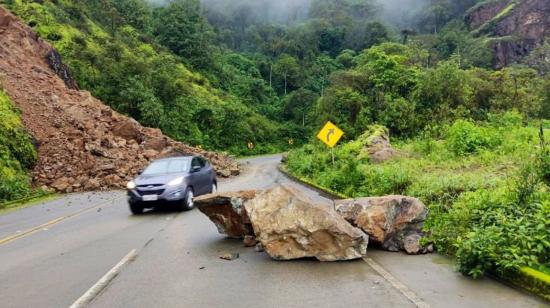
287, 68
196, 68
376, 33
181, 27
298, 104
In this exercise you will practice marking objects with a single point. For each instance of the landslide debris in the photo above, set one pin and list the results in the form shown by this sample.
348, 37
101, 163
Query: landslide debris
287, 225
227, 212
394, 222
284, 224
82, 143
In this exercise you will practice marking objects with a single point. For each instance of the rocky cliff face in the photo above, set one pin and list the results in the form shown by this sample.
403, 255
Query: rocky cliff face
82, 143
515, 26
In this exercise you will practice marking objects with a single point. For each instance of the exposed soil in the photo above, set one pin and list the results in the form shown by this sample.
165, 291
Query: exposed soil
82, 143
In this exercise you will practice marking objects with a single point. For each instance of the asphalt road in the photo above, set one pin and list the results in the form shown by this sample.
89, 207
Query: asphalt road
52, 253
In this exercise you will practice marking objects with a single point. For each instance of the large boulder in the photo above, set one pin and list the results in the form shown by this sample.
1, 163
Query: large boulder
394, 222
290, 227
378, 144
128, 129
227, 212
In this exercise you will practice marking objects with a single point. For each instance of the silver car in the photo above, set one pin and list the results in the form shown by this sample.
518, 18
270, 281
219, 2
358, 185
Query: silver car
175, 180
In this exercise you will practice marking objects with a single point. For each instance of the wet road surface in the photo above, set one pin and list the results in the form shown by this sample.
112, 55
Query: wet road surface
52, 253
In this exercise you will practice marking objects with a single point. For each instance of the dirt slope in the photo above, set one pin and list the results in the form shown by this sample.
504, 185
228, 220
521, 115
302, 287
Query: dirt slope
82, 143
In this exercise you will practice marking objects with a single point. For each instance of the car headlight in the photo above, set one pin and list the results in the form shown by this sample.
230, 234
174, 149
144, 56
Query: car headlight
131, 185
176, 181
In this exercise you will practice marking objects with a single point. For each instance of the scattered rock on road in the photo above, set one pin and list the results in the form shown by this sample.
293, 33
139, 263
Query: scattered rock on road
229, 256
227, 212
259, 247
250, 241
394, 222
290, 227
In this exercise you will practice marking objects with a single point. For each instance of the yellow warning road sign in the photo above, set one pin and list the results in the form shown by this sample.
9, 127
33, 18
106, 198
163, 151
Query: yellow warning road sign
330, 134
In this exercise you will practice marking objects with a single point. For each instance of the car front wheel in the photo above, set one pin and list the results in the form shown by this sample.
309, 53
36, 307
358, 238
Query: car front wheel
187, 203
136, 208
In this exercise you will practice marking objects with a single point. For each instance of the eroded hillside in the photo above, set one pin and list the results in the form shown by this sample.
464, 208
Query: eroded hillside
515, 27
82, 144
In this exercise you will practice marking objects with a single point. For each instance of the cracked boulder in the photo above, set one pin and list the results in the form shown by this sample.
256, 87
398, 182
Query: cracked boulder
289, 226
393, 222
227, 212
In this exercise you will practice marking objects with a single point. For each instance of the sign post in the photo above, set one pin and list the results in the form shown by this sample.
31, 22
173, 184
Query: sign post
330, 135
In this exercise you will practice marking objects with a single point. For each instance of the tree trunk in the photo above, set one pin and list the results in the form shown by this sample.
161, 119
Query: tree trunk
285, 84
270, 75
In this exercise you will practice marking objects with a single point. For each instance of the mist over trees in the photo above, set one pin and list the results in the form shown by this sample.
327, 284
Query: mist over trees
220, 73
424, 15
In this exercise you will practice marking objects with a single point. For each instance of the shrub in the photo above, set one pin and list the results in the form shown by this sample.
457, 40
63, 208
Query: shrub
507, 119
498, 229
16, 153
464, 137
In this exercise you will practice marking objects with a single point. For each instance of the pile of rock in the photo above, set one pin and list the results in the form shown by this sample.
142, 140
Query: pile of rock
82, 144
290, 226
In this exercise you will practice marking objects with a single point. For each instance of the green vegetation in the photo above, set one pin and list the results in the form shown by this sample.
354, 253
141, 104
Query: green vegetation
17, 154
119, 57
486, 184
532, 280
221, 74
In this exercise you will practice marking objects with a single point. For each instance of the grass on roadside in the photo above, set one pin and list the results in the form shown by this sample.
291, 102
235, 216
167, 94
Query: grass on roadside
9, 207
486, 185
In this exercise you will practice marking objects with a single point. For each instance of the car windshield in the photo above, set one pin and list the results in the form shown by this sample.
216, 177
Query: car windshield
168, 167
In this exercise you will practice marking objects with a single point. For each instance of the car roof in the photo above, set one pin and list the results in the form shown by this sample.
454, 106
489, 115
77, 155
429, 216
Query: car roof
177, 158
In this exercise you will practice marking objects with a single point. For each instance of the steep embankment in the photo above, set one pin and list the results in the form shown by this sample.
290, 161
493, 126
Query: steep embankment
514, 27
82, 144
17, 153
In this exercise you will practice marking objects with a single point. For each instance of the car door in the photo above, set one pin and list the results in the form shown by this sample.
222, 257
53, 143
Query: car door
208, 175
195, 176
201, 182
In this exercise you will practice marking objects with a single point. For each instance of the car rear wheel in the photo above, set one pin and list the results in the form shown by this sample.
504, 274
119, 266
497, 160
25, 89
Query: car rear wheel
187, 203
136, 208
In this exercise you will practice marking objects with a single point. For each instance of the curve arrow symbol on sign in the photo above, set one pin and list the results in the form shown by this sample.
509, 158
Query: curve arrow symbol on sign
330, 133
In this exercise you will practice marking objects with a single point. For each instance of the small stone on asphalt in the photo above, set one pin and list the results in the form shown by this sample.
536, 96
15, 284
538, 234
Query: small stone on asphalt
230, 256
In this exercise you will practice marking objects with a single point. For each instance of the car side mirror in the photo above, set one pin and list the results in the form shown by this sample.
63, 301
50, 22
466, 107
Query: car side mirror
195, 169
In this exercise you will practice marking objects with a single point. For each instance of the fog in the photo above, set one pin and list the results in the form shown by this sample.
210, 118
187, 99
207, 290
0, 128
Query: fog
278, 11
399, 13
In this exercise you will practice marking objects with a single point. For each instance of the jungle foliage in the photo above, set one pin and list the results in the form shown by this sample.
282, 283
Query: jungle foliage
222, 74
17, 153
486, 184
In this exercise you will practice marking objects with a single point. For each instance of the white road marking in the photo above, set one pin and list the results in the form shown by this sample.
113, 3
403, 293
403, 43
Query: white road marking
45, 227
415, 299
99, 286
